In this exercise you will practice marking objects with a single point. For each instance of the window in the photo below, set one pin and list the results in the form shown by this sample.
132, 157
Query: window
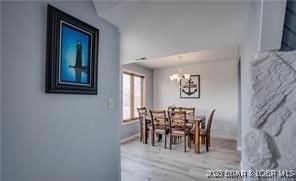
132, 95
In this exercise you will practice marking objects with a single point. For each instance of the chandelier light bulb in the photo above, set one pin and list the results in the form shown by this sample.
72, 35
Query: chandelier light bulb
175, 76
186, 76
171, 77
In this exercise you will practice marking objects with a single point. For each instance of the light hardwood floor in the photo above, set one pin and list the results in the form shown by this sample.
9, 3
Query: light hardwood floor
140, 162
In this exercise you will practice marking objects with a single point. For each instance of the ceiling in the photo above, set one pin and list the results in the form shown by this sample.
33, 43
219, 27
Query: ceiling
203, 56
159, 29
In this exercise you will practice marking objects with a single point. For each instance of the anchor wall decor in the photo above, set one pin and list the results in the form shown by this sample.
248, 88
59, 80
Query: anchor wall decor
190, 88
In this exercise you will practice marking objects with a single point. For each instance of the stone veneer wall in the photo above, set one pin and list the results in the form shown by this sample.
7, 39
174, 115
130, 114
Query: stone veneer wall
271, 142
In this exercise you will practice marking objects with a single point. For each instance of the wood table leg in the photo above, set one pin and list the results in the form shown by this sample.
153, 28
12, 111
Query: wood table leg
197, 142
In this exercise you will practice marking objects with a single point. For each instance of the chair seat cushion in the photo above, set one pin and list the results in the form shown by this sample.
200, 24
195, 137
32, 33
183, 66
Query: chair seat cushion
178, 133
160, 127
161, 130
177, 128
180, 130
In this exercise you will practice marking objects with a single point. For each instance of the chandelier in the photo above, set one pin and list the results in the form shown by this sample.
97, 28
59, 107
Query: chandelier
178, 76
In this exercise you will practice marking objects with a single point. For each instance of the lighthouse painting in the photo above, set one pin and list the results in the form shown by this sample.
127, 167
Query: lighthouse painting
75, 56
71, 55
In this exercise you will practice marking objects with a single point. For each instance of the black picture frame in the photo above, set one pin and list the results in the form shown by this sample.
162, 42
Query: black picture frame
84, 76
195, 95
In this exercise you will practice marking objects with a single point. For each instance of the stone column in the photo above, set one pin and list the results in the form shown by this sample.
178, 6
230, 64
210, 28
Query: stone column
271, 143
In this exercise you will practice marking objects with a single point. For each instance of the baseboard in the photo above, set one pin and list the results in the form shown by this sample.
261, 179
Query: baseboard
243, 169
223, 137
241, 165
227, 138
127, 139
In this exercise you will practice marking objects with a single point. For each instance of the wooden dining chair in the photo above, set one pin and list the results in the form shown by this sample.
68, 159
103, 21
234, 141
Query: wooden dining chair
142, 111
190, 111
159, 125
206, 133
175, 109
177, 122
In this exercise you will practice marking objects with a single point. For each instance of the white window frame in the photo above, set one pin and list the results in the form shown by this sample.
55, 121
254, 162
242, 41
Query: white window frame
143, 98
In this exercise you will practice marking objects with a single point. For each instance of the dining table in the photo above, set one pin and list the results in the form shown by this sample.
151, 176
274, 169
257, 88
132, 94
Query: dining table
197, 120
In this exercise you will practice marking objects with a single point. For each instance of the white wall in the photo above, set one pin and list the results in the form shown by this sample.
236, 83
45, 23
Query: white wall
63, 137
219, 90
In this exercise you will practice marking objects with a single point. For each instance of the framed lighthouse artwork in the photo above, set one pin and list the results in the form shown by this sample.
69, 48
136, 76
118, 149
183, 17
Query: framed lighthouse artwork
72, 54
190, 88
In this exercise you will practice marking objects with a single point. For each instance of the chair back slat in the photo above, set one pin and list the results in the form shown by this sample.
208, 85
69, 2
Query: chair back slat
177, 119
209, 122
177, 109
189, 110
158, 118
